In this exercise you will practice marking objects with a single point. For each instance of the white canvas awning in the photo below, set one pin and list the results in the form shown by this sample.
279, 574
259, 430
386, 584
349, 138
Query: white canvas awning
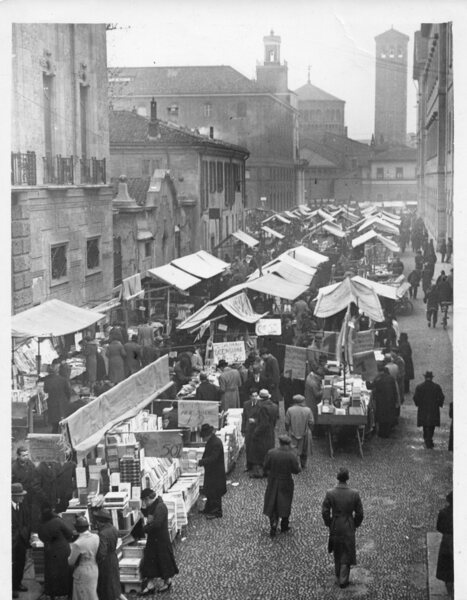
378, 223
307, 256
174, 276
372, 235
278, 217
288, 268
393, 292
213, 260
51, 319
245, 238
334, 230
197, 265
273, 285
276, 234
336, 297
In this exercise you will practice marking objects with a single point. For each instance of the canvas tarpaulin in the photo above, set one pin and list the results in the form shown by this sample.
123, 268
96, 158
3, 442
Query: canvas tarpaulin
334, 230
174, 276
248, 240
307, 256
288, 268
270, 231
334, 298
52, 319
276, 286
378, 223
196, 265
87, 425
372, 235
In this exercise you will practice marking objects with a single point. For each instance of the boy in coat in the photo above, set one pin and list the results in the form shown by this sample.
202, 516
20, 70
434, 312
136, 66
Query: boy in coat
428, 398
342, 512
279, 465
215, 484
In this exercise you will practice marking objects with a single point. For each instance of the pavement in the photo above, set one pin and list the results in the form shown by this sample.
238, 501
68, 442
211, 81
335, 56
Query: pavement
402, 485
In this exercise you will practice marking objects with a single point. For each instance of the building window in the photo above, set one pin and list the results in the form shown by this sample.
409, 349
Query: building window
83, 113
399, 173
220, 177
47, 82
207, 109
379, 173
173, 110
241, 109
92, 253
205, 184
147, 249
58, 259
237, 178
212, 177
117, 254
146, 168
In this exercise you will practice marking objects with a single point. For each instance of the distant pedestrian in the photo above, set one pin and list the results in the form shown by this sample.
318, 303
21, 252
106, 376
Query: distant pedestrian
20, 533
443, 249
385, 398
314, 391
116, 354
196, 359
419, 261
299, 424
405, 351
133, 356
83, 559
445, 564
449, 249
90, 352
279, 465
215, 483
262, 438
158, 558
249, 421
230, 381
342, 512
428, 398
414, 280
58, 390
108, 584
271, 374
432, 304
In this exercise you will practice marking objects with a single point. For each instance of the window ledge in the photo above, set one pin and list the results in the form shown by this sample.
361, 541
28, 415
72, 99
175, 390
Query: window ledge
91, 272
61, 281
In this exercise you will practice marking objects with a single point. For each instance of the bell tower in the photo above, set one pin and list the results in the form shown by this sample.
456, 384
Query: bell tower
272, 75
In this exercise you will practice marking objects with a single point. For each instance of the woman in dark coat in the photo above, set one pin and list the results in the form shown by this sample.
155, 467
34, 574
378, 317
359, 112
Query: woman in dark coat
56, 535
445, 566
116, 353
158, 559
108, 584
90, 354
342, 512
405, 351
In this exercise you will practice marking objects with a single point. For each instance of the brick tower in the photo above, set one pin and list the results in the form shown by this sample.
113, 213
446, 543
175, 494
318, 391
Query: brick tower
391, 88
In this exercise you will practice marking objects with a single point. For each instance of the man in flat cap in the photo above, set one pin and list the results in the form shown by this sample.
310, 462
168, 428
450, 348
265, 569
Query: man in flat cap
279, 465
299, 424
428, 398
342, 512
108, 583
215, 483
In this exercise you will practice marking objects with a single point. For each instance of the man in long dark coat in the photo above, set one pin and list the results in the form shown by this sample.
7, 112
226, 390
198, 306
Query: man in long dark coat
24, 471
58, 399
249, 420
215, 484
279, 465
108, 584
342, 512
262, 438
385, 398
428, 398
271, 374
20, 532
207, 390
158, 558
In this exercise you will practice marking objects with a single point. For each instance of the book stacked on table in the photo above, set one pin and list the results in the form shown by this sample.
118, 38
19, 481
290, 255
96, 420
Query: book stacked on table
129, 569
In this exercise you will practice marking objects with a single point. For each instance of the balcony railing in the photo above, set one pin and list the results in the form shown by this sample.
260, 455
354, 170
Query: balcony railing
58, 170
93, 171
23, 168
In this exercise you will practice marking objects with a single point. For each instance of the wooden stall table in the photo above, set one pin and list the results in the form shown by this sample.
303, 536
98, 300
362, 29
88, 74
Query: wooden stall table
356, 422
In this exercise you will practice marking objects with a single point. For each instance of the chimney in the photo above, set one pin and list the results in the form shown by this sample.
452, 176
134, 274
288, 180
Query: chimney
211, 133
123, 199
153, 110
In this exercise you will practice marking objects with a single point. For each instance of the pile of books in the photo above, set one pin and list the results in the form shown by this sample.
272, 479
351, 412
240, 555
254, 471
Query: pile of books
178, 503
129, 568
188, 485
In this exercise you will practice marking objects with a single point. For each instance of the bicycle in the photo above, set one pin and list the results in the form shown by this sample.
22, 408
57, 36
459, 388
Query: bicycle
444, 310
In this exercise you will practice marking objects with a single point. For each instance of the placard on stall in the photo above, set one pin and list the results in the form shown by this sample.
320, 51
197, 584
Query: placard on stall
46, 447
231, 352
166, 443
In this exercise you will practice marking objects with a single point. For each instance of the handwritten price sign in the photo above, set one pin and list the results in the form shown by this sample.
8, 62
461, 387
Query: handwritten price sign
161, 444
193, 413
232, 352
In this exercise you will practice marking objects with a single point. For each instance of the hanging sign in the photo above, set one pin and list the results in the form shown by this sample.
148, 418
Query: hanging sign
364, 341
231, 352
295, 362
45, 447
365, 364
268, 327
160, 444
193, 413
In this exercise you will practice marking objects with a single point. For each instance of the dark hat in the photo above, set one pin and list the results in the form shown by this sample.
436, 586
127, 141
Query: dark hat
284, 439
428, 375
147, 493
206, 429
81, 524
343, 474
17, 489
102, 515
222, 363
298, 398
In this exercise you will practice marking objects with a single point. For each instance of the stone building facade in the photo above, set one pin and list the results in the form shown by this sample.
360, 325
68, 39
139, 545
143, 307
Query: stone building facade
391, 178
258, 115
391, 88
433, 72
203, 179
61, 201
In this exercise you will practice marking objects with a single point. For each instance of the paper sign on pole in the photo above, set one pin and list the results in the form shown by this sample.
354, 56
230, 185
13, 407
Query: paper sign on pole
193, 413
232, 352
268, 327
364, 341
295, 362
161, 444
45, 447
365, 364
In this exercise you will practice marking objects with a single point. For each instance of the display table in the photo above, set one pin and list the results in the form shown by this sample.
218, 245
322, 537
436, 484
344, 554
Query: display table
357, 422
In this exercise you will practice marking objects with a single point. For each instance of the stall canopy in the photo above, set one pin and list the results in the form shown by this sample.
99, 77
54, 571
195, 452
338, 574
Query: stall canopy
334, 230
51, 319
174, 276
276, 234
381, 224
239, 306
248, 240
334, 298
307, 256
200, 264
393, 292
370, 235
288, 268
87, 426
273, 285
277, 217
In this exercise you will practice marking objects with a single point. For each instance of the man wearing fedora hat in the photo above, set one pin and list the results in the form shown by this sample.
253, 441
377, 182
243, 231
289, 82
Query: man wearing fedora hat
215, 484
279, 465
20, 532
262, 437
428, 398
108, 583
